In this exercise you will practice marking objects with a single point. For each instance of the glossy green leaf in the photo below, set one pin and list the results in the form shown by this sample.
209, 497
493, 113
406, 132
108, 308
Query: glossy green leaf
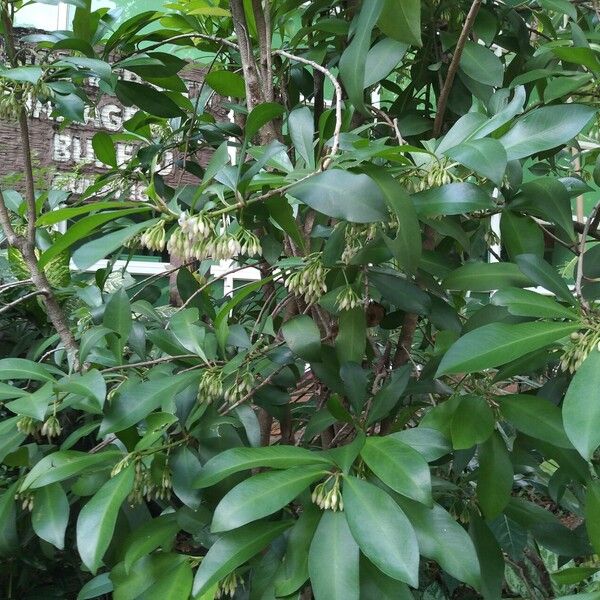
260, 116
406, 247
486, 157
226, 83
353, 60
498, 343
149, 99
399, 466
401, 20
97, 519
592, 513
527, 303
545, 128
451, 199
235, 460
382, 531
400, 292
185, 466
117, 314
374, 584
472, 422
99, 585
351, 338
343, 195
545, 275
430, 443
86, 255
262, 495
154, 533
139, 400
520, 234
233, 549
442, 539
9, 538
104, 148
490, 557
485, 277
62, 465
495, 476
382, 58
21, 368
581, 410
301, 127
293, 572
50, 515
536, 417
481, 64
548, 199
303, 338
83, 228
334, 546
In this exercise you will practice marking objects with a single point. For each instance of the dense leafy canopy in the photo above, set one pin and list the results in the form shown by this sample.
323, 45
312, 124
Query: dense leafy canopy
404, 404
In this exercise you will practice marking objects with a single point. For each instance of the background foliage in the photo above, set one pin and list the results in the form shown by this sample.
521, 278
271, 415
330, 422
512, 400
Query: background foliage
405, 405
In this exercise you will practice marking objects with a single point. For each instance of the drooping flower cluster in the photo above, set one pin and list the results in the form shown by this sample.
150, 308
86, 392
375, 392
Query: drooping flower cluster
356, 237
144, 485
308, 281
26, 499
228, 586
327, 495
240, 388
51, 427
348, 299
210, 387
581, 344
28, 425
196, 237
155, 238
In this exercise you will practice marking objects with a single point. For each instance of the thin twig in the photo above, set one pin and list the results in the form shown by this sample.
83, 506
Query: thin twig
148, 363
18, 301
453, 68
14, 284
579, 278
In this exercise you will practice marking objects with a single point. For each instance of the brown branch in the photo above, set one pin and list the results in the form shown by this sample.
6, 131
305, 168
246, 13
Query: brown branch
453, 68
27, 244
584, 237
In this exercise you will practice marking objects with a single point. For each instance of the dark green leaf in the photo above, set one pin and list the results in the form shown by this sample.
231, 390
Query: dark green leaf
592, 513
495, 476
50, 514
498, 343
401, 20
235, 460
545, 128
545, 275
262, 495
139, 400
232, 550
343, 195
581, 410
117, 314
527, 303
481, 64
485, 157
382, 531
226, 83
293, 572
351, 338
472, 422
353, 60
536, 417
147, 98
490, 558
333, 560
399, 466
485, 277
442, 539
303, 338
97, 519
104, 148
260, 116
452, 199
